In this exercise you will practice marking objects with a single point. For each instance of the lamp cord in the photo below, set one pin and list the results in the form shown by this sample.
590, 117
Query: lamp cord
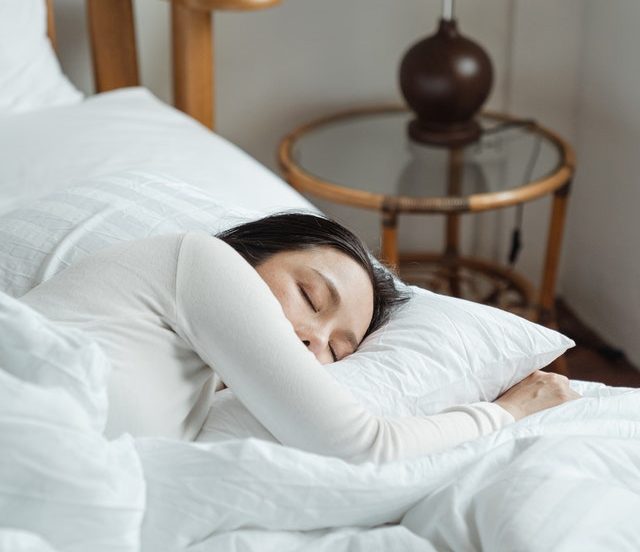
516, 234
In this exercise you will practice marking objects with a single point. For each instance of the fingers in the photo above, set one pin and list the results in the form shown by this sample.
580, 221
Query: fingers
561, 385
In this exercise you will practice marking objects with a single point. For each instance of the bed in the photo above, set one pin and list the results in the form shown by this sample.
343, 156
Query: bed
78, 174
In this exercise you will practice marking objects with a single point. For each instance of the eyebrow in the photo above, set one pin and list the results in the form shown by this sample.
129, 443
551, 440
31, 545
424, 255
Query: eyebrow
335, 300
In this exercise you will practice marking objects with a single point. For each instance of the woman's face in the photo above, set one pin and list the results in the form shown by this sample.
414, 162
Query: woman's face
325, 294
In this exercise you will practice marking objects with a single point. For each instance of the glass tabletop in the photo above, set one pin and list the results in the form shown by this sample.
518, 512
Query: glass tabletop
372, 152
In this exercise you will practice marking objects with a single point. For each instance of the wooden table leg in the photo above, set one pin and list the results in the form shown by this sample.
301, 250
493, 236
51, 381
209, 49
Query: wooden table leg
390, 239
546, 306
452, 228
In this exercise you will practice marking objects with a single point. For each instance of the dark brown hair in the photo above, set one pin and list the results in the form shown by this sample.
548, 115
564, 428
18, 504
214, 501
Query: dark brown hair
257, 240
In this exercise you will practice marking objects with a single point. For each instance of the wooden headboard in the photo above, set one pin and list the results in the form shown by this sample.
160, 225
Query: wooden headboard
115, 58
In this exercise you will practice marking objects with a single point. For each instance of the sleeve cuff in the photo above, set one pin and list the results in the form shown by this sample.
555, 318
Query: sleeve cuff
489, 417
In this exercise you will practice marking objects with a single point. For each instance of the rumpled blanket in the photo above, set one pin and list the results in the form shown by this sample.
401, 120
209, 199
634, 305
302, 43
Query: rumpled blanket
564, 479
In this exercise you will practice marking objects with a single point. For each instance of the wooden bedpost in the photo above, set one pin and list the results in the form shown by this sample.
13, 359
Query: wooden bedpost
113, 44
115, 61
51, 25
192, 50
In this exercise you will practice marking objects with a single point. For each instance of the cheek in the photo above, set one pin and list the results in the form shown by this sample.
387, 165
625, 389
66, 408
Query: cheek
288, 297
285, 289
294, 311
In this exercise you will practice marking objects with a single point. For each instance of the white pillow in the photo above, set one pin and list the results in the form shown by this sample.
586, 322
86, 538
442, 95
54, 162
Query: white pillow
47, 235
30, 76
435, 352
129, 129
439, 351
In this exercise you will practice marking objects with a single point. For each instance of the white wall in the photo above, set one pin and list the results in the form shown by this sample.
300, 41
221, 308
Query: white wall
544, 67
280, 67
601, 280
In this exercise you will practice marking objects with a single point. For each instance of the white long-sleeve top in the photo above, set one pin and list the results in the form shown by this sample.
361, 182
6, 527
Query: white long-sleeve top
179, 314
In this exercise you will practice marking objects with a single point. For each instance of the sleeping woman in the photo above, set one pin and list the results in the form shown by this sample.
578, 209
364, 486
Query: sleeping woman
259, 308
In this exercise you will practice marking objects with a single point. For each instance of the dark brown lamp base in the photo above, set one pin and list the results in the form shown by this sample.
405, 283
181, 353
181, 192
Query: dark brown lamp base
446, 136
445, 78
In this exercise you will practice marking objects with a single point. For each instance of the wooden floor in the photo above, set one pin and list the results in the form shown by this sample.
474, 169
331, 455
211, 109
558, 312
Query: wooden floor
592, 359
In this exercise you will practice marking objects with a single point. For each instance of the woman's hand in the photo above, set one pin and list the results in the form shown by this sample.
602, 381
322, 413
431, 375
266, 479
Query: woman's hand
539, 391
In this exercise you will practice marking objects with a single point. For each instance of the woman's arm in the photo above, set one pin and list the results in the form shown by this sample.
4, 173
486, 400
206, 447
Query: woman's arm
232, 320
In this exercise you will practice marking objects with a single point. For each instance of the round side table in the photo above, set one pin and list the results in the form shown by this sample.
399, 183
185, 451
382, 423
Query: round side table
364, 158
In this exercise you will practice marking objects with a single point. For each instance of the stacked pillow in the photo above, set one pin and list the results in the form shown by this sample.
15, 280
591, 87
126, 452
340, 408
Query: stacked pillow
128, 129
435, 352
30, 76
46, 235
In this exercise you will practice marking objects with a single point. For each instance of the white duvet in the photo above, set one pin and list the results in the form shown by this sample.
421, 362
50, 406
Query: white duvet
565, 479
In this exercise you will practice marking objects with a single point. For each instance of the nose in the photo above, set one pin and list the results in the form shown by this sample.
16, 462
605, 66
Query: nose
315, 340
316, 345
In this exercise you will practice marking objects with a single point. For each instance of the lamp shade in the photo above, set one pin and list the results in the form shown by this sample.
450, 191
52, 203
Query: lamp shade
445, 79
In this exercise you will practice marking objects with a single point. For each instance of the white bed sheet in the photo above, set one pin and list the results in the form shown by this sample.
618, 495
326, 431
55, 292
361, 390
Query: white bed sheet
129, 129
565, 479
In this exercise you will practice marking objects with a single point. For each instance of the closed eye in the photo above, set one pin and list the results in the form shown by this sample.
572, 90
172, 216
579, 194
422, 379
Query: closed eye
307, 298
333, 354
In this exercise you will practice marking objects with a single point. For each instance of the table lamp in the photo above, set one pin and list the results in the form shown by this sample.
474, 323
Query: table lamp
445, 78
